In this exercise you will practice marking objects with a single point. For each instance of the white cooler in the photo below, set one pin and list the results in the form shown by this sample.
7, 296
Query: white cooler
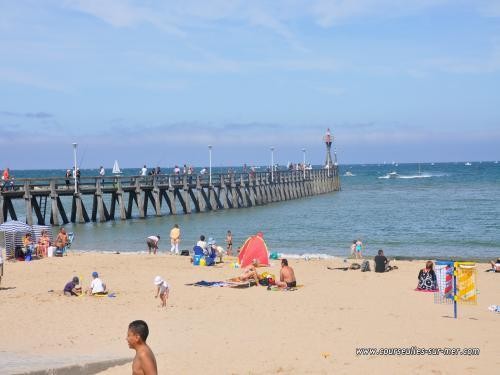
50, 251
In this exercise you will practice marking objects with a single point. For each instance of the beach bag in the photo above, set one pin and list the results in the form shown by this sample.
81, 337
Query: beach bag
185, 253
209, 261
365, 266
196, 260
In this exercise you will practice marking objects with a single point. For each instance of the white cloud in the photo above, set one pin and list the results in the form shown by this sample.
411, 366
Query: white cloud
121, 13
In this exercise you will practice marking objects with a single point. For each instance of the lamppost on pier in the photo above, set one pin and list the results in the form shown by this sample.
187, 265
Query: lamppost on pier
75, 145
272, 163
210, 165
304, 162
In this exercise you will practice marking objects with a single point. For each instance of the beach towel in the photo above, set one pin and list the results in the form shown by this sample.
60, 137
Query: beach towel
210, 284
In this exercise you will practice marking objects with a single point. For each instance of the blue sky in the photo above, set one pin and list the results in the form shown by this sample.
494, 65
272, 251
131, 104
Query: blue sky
156, 82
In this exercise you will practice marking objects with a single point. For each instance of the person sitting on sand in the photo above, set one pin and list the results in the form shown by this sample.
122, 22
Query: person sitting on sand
144, 361
427, 277
163, 290
152, 242
73, 288
202, 243
381, 262
287, 276
250, 272
43, 244
495, 266
97, 287
28, 245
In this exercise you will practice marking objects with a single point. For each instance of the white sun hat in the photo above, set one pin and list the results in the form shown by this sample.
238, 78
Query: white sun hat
158, 280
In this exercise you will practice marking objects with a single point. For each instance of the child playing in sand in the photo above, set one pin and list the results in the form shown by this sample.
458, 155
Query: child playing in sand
73, 288
163, 290
144, 360
97, 287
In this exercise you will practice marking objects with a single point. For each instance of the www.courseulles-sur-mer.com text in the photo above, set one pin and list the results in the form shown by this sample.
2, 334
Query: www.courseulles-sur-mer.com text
414, 350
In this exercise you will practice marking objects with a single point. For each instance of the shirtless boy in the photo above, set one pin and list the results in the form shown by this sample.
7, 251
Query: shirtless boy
287, 276
144, 360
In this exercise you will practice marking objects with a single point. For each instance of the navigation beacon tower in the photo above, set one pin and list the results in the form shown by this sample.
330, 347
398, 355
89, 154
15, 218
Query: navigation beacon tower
331, 165
328, 138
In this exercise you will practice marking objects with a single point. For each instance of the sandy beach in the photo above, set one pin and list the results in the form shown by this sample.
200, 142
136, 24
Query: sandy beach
313, 330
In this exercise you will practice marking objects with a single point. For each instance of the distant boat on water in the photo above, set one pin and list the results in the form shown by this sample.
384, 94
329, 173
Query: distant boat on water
393, 175
468, 164
116, 168
349, 174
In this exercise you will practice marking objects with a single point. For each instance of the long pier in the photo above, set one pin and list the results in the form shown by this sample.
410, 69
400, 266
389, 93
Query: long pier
129, 196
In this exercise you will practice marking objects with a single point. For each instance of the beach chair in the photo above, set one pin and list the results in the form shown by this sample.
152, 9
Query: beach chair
64, 250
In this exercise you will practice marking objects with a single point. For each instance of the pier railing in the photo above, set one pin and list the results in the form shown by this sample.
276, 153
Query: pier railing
129, 196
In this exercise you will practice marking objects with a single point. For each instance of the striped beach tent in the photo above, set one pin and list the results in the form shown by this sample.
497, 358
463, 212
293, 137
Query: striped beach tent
13, 236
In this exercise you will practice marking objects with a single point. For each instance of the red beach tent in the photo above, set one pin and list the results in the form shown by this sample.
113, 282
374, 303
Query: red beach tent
254, 248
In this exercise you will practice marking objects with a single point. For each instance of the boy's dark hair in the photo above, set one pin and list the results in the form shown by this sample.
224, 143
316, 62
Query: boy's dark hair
202, 238
284, 262
380, 252
141, 328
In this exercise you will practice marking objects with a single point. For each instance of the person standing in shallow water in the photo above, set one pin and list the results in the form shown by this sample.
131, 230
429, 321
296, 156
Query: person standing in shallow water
359, 247
175, 239
144, 361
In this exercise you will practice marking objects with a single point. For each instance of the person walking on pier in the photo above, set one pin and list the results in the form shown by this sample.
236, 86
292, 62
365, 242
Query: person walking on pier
67, 176
175, 239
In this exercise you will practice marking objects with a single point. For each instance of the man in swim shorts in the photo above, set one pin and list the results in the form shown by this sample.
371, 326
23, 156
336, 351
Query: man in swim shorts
287, 276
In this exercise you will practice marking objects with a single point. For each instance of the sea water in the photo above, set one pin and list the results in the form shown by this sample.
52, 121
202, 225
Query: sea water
428, 210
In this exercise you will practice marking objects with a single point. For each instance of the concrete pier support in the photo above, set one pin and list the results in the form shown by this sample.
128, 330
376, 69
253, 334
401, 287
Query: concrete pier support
27, 202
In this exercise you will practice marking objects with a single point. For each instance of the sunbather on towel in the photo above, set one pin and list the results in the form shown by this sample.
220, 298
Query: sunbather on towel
287, 276
495, 266
250, 272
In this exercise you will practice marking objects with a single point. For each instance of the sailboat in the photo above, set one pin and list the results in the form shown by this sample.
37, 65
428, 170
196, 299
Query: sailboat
116, 168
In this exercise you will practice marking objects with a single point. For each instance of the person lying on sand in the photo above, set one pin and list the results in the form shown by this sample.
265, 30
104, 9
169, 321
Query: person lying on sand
287, 276
495, 266
72, 288
250, 272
